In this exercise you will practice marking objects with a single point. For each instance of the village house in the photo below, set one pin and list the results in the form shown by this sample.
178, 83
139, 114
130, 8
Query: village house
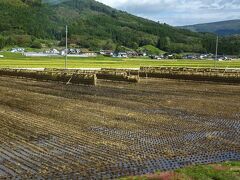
47, 53
142, 54
106, 53
52, 51
63, 52
132, 53
190, 56
78, 53
157, 57
205, 56
120, 55
39, 54
70, 51
17, 50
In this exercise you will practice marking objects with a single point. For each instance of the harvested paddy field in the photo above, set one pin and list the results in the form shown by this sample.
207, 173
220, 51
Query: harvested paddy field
115, 129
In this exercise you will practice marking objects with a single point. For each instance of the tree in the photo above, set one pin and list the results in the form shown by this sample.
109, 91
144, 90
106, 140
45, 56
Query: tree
163, 43
144, 42
109, 45
36, 44
2, 42
33, 2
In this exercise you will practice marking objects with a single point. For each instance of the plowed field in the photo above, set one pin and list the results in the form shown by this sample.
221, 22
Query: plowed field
50, 130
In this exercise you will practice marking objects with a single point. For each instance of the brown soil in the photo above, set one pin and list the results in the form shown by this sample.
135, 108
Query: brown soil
166, 176
219, 167
48, 129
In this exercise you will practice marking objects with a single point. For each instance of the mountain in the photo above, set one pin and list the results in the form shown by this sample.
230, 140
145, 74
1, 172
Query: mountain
223, 28
92, 25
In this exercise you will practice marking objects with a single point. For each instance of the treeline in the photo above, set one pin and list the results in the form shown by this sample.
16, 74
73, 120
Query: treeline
33, 2
96, 26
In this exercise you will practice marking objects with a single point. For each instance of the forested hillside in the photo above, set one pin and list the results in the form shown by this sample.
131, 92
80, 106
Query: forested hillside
95, 26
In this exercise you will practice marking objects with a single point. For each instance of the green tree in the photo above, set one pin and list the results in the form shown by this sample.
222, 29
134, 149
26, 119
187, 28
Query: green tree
36, 44
2, 42
109, 45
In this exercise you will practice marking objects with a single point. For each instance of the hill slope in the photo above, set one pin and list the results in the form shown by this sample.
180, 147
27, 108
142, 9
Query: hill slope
223, 28
92, 25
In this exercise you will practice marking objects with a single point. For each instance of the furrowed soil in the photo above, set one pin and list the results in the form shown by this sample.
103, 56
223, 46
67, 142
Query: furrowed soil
53, 130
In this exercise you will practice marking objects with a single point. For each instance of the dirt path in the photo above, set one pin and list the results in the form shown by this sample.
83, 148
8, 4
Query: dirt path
115, 129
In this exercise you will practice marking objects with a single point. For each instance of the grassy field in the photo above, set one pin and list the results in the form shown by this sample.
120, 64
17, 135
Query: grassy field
223, 171
12, 60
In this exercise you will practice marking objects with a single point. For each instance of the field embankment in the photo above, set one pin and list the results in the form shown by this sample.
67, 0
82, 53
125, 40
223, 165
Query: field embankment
226, 171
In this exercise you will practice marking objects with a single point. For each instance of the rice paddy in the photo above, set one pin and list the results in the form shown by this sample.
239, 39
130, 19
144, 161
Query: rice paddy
114, 129
12, 60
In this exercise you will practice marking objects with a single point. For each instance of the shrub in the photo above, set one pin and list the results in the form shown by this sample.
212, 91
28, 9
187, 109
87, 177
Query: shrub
36, 44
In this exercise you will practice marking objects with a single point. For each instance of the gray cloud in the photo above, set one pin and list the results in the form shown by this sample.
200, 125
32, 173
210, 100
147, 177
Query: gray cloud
180, 12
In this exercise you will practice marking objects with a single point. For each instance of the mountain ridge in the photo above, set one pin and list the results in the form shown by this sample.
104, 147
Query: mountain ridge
92, 25
223, 28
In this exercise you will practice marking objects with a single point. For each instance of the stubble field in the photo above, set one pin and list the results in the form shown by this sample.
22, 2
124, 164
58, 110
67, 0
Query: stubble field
50, 130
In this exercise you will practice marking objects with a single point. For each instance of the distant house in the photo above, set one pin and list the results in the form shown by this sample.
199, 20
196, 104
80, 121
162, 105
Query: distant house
78, 53
142, 54
132, 53
190, 56
63, 52
72, 51
224, 58
90, 54
48, 53
17, 50
69, 51
106, 52
157, 57
52, 51
205, 56
86, 54
39, 54
121, 55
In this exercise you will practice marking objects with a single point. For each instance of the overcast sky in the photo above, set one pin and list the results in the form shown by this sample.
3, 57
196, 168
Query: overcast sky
180, 12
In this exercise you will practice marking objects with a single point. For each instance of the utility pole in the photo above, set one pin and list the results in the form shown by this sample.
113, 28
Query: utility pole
66, 53
216, 56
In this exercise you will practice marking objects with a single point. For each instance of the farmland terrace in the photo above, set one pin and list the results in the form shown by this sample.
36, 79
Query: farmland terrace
50, 130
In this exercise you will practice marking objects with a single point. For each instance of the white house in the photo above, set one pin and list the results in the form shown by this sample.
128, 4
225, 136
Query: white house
121, 55
38, 54
78, 53
106, 52
52, 51
85, 55
17, 50
63, 52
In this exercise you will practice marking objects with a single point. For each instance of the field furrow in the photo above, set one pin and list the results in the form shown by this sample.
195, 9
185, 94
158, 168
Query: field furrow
114, 129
